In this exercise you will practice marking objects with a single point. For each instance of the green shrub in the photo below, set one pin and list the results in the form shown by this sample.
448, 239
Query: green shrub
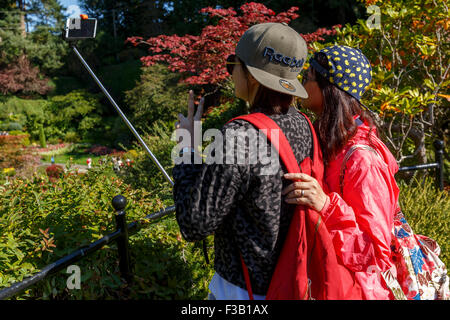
77, 111
216, 117
28, 113
11, 126
71, 136
427, 211
25, 141
144, 173
157, 96
41, 222
42, 140
54, 140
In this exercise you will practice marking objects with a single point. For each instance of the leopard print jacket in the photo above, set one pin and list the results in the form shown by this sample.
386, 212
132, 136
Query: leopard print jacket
241, 207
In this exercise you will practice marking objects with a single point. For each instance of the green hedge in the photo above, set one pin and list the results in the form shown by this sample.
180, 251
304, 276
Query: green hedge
75, 211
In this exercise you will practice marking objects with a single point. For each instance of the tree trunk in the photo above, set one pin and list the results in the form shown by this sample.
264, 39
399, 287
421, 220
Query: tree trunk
416, 134
23, 28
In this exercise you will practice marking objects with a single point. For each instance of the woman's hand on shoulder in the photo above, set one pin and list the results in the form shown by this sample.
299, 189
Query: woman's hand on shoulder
305, 190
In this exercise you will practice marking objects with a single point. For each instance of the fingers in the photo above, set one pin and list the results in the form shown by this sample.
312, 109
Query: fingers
296, 194
182, 120
191, 107
191, 104
298, 176
295, 186
300, 201
198, 114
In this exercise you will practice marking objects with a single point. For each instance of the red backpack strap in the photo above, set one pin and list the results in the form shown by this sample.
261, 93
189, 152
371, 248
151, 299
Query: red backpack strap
312, 166
247, 279
277, 138
262, 122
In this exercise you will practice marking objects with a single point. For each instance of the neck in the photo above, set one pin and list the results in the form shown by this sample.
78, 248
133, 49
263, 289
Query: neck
252, 91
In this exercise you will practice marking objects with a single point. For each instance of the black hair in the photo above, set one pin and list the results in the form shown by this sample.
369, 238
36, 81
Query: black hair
268, 101
336, 126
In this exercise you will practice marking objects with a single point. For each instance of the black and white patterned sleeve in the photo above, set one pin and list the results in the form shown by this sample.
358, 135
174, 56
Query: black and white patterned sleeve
204, 195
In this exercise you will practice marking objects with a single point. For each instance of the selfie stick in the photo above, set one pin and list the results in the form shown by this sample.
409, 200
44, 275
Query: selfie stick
122, 115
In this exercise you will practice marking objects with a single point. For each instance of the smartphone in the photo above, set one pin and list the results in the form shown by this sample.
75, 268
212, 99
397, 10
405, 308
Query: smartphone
77, 28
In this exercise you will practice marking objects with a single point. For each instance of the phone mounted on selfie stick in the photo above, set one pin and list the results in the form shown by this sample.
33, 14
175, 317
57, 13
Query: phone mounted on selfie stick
85, 28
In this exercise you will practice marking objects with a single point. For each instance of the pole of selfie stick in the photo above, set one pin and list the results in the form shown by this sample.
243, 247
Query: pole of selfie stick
122, 115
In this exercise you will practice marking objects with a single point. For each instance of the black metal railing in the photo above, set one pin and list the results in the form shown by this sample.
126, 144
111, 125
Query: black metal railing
123, 230
438, 164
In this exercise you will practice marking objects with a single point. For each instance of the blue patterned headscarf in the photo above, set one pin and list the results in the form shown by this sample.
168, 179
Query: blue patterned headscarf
348, 69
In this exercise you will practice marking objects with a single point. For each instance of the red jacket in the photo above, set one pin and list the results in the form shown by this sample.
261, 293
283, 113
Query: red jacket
308, 267
360, 221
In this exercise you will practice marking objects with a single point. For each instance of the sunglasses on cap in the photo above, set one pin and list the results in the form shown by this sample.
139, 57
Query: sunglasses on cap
231, 62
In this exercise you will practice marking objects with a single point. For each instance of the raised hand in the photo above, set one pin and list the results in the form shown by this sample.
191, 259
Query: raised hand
188, 122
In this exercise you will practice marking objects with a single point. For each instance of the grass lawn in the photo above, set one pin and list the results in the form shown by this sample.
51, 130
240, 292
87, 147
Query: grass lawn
77, 158
77, 154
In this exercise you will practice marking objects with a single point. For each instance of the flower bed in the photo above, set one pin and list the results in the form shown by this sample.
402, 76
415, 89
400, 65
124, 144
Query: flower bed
100, 150
51, 149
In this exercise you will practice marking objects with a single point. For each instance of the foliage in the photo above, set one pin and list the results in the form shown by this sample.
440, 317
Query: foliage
151, 18
54, 171
427, 211
41, 21
48, 50
100, 150
27, 53
42, 136
144, 173
410, 59
71, 136
64, 84
11, 126
21, 77
14, 155
28, 113
52, 149
157, 96
73, 117
201, 58
77, 111
216, 117
41, 222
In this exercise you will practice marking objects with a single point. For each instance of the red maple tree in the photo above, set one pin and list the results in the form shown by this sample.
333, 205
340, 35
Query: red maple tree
202, 58
21, 77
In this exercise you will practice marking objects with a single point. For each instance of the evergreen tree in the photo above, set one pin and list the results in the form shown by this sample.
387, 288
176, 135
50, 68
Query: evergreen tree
42, 141
30, 32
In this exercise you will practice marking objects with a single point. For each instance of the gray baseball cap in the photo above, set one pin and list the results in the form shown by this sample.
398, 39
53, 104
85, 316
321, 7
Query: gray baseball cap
274, 54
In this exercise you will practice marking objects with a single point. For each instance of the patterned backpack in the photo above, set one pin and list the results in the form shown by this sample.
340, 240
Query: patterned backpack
421, 275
